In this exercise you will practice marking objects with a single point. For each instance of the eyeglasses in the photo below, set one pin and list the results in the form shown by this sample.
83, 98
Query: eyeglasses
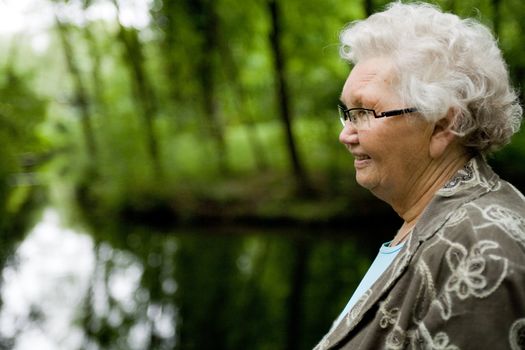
361, 116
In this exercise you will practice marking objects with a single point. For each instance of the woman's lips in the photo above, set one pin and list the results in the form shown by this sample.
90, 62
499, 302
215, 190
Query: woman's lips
361, 156
361, 160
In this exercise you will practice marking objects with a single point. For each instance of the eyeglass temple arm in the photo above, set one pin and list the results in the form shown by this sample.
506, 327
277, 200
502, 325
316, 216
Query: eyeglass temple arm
398, 112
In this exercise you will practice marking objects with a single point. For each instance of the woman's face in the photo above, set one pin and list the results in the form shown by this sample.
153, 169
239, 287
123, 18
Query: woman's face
390, 154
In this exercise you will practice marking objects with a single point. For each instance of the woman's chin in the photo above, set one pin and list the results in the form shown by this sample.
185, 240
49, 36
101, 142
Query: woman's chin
364, 180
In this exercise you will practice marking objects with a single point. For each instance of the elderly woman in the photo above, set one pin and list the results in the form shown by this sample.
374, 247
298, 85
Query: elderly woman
427, 99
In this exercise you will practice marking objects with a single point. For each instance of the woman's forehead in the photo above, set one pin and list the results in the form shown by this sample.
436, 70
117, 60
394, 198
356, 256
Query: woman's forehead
372, 76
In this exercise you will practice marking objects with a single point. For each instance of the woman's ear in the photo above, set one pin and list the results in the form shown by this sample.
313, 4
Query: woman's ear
442, 135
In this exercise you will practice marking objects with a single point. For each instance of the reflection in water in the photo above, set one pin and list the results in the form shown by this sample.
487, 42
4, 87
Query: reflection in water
122, 287
54, 273
45, 286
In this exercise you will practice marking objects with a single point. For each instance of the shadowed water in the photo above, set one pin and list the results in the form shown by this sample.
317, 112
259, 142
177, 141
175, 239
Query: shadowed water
193, 288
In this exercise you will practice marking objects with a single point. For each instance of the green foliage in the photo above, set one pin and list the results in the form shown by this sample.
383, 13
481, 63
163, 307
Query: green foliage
21, 112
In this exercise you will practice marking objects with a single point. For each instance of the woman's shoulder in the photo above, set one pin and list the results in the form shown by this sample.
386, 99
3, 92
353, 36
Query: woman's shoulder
495, 219
502, 207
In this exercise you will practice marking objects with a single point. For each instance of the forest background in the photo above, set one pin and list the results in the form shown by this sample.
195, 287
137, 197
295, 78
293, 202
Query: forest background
207, 126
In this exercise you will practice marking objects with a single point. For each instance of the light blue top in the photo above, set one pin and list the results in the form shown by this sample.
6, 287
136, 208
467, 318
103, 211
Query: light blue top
383, 260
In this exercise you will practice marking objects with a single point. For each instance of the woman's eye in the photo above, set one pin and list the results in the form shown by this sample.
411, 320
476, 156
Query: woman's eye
361, 114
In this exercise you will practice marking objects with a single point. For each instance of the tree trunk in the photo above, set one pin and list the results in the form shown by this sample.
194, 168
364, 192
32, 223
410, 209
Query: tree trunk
208, 78
94, 52
496, 17
81, 99
283, 97
143, 91
171, 45
369, 7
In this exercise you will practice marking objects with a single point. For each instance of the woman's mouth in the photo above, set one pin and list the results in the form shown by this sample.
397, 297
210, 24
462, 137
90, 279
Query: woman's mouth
361, 161
361, 157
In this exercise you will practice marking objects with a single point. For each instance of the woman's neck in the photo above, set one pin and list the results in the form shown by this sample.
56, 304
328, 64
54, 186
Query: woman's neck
411, 207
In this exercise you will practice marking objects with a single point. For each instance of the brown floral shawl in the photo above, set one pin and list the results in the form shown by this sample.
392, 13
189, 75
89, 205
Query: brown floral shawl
459, 281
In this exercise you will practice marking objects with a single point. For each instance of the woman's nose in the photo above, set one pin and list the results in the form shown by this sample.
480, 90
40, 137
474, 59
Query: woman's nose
349, 134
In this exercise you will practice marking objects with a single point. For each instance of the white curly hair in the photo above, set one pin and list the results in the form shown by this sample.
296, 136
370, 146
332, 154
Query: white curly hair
443, 63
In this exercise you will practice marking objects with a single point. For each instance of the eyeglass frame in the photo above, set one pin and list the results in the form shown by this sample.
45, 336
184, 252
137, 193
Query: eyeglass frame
344, 113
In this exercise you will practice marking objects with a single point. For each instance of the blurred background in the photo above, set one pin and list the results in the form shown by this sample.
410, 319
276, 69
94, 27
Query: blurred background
170, 172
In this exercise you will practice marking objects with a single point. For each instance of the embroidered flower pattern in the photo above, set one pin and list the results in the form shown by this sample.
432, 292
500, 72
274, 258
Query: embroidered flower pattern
468, 270
389, 317
441, 342
423, 339
507, 219
517, 335
396, 339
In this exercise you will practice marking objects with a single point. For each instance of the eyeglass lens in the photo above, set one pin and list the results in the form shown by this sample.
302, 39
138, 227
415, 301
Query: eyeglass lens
359, 117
